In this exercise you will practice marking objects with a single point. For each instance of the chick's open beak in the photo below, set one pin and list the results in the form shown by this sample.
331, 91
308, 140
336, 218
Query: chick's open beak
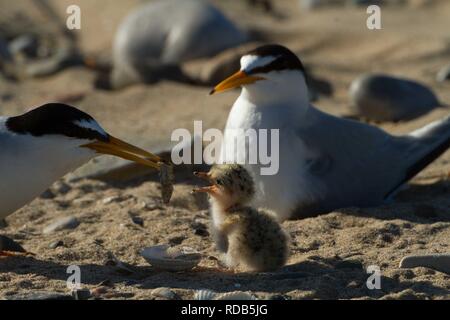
209, 189
234, 81
121, 149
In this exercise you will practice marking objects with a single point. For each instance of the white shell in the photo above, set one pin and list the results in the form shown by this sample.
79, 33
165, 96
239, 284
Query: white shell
235, 295
170, 259
205, 294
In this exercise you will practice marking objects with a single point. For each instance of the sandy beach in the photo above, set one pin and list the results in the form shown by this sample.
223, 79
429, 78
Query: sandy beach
330, 253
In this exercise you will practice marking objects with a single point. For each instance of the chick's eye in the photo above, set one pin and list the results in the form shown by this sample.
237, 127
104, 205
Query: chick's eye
219, 182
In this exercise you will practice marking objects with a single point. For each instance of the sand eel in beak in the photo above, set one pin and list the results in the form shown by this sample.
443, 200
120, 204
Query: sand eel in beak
251, 238
44, 144
325, 162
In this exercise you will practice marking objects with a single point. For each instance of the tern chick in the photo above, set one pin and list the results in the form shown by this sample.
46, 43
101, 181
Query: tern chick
251, 238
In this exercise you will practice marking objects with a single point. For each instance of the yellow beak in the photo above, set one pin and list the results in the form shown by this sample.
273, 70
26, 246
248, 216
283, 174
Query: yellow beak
238, 79
121, 149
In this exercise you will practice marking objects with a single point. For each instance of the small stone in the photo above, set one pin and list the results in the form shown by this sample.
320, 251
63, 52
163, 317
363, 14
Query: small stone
200, 229
83, 202
385, 98
60, 187
137, 220
443, 74
112, 199
81, 294
56, 244
47, 194
165, 293
62, 224
7, 244
150, 205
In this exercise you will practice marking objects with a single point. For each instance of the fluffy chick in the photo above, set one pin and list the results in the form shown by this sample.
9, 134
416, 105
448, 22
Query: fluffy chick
251, 238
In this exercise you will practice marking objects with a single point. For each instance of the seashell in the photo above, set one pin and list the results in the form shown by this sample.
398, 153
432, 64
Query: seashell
236, 295
171, 259
205, 294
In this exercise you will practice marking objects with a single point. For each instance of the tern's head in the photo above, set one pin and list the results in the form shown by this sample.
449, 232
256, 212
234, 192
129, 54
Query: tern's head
231, 184
71, 135
270, 70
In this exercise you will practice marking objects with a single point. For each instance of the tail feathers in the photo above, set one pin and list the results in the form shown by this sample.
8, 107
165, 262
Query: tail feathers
426, 145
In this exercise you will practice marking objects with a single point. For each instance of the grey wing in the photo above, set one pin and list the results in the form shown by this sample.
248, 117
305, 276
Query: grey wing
358, 164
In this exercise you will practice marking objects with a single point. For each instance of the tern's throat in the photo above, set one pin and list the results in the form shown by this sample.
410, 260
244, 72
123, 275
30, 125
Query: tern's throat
286, 87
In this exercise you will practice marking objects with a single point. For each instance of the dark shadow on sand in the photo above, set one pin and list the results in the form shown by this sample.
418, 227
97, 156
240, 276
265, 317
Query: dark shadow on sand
323, 278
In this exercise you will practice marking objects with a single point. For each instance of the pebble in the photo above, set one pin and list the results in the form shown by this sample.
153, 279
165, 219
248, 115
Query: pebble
137, 220
62, 224
61, 187
165, 293
443, 74
7, 244
56, 244
200, 229
150, 205
47, 194
112, 199
380, 97
438, 262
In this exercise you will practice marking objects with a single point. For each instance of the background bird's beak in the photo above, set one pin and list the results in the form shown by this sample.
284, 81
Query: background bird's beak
121, 149
236, 80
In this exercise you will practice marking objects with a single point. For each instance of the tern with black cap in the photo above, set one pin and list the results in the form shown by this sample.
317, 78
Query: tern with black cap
325, 162
44, 144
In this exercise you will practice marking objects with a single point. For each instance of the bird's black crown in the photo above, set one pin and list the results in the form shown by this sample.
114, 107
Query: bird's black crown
285, 59
54, 118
